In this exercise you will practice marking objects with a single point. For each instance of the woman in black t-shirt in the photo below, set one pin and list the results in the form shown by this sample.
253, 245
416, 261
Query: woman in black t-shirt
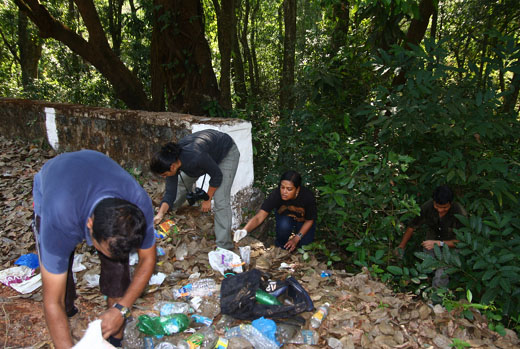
295, 213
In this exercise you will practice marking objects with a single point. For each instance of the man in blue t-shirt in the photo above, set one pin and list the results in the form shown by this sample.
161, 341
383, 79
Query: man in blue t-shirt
85, 195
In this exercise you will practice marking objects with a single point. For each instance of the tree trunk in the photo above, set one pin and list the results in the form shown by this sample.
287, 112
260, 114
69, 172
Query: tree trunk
30, 50
245, 43
287, 80
416, 32
255, 88
511, 99
239, 79
225, 34
340, 31
183, 56
96, 51
114, 22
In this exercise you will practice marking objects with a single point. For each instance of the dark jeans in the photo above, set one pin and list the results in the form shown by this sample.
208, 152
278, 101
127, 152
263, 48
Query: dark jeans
285, 226
114, 276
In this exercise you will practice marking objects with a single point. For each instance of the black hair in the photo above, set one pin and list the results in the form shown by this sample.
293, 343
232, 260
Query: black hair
442, 195
120, 223
164, 158
293, 177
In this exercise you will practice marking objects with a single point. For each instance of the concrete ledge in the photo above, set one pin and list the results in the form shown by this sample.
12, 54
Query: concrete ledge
130, 137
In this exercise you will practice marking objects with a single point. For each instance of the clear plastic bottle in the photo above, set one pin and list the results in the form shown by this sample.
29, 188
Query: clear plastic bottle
148, 343
210, 337
203, 287
202, 319
319, 315
169, 308
224, 322
285, 332
234, 331
309, 337
200, 288
204, 339
165, 345
256, 338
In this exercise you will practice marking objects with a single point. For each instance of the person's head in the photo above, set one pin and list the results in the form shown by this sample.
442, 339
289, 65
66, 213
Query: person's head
442, 199
117, 227
166, 161
290, 184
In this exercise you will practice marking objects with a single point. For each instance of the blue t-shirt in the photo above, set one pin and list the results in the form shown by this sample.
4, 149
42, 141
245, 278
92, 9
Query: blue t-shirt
66, 191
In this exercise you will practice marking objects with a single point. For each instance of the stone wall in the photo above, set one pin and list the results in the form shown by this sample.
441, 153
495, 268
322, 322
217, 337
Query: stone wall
128, 136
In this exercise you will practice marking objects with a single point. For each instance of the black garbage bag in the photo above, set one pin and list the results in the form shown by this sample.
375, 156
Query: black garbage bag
237, 298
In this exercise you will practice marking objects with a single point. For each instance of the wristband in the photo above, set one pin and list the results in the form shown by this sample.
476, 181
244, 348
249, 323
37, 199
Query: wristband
300, 235
442, 243
125, 312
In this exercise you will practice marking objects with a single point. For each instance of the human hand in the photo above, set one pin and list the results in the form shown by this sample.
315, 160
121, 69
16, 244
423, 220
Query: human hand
292, 243
206, 206
111, 322
428, 244
239, 235
158, 218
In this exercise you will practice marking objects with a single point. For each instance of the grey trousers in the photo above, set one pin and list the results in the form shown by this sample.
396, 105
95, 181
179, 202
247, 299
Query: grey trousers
221, 199
440, 278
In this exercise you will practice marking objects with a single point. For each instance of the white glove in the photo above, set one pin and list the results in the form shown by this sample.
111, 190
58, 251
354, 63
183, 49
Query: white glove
239, 235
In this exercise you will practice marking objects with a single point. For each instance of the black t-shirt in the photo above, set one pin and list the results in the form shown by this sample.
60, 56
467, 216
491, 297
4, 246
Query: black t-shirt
439, 228
302, 208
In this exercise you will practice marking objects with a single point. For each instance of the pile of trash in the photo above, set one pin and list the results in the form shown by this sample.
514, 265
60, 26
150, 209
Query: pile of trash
195, 298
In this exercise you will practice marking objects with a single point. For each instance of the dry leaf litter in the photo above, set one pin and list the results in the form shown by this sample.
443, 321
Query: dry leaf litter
363, 313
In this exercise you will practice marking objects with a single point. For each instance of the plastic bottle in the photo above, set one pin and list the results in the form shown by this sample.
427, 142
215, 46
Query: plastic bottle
222, 343
200, 288
169, 308
181, 252
132, 337
234, 331
285, 332
210, 337
224, 322
263, 297
202, 319
204, 339
319, 315
148, 343
203, 287
165, 345
309, 337
163, 325
256, 338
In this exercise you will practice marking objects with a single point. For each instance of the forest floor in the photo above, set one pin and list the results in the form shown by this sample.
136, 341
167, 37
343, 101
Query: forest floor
363, 313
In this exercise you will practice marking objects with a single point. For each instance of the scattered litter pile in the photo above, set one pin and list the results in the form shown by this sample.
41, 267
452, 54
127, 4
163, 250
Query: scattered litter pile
181, 307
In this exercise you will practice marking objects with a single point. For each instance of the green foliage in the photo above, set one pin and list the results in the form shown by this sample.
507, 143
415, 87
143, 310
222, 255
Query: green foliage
459, 344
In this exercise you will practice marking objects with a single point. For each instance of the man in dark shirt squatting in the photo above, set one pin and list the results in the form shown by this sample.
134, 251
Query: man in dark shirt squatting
438, 214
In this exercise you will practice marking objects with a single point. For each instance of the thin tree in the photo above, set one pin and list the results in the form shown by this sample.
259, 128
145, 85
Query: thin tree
287, 80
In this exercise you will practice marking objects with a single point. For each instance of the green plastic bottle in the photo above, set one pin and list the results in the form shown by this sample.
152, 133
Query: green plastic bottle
263, 297
163, 325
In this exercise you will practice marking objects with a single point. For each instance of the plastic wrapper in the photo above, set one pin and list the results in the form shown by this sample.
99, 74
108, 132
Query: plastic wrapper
223, 260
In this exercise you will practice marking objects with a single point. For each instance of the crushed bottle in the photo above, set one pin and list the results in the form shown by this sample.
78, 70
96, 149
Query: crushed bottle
163, 325
256, 338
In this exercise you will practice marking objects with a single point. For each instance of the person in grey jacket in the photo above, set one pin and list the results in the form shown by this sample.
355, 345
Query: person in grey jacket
205, 152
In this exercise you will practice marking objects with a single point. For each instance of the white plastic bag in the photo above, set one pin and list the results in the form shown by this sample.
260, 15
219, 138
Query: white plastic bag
21, 279
222, 260
93, 338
